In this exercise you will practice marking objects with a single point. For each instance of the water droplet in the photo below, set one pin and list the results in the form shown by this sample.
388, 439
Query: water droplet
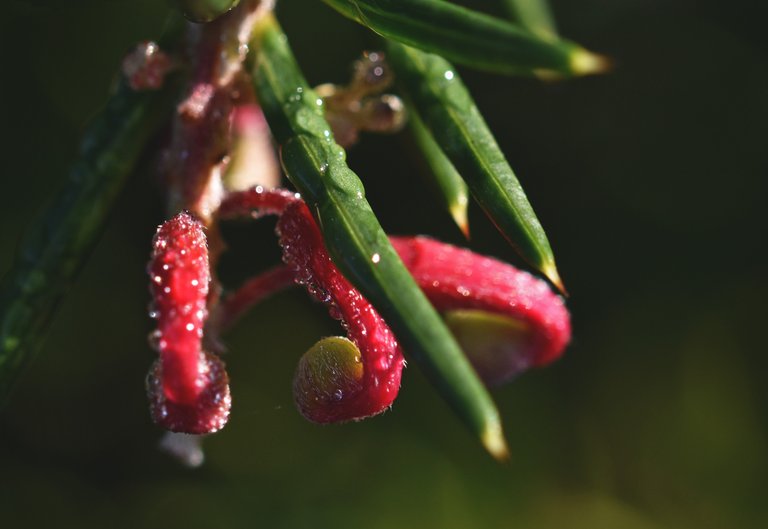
154, 339
448, 75
375, 258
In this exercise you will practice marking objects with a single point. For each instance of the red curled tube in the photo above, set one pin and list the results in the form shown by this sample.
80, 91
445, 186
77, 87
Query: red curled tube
329, 385
188, 388
381, 356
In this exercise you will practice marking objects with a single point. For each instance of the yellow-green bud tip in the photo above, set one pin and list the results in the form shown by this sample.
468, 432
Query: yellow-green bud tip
459, 214
550, 270
494, 442
585, 62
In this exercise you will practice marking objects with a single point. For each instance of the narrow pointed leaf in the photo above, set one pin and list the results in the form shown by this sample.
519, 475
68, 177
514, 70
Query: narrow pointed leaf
534, 15
447, 180
458, 127
59, 240
469, 37
357, 244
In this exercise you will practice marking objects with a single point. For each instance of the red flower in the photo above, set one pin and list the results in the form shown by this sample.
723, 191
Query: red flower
455, 279
506, 319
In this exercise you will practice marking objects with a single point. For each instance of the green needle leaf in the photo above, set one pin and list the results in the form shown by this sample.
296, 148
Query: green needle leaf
534, 15
358, 245
458, 127
447, 179
58, 242
470, 38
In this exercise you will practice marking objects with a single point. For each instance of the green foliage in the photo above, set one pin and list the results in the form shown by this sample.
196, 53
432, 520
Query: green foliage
458, 127
58, 242
450, 185
469, 37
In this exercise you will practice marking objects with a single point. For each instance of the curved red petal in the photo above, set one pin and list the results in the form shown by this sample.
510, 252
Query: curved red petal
455, 278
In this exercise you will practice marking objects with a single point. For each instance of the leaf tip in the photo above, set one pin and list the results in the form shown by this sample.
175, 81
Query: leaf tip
494, 442
459, 214
550, 271
584, 62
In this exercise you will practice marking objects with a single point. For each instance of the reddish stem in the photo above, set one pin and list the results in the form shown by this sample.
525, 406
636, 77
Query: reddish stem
201, 129
256, 202
250, 293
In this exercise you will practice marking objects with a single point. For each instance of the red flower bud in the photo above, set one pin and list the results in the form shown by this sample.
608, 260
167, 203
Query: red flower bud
337, 380
455, 279
188, 388
328, 386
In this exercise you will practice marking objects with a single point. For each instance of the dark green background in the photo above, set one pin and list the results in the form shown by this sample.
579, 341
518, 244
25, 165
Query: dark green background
651, 183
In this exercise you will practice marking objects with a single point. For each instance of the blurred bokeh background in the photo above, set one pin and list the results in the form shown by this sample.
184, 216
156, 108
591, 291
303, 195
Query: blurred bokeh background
652, 184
